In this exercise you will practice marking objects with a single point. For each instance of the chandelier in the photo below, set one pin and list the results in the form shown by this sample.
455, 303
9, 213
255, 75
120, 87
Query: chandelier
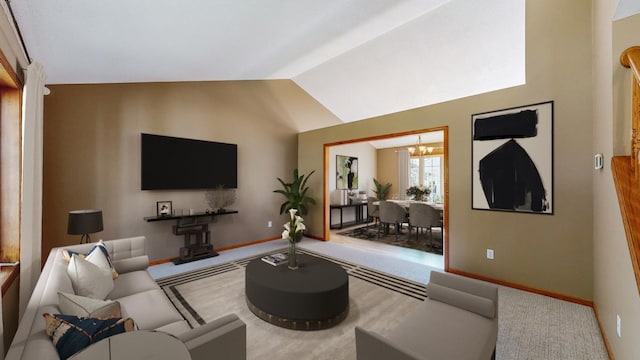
419, 149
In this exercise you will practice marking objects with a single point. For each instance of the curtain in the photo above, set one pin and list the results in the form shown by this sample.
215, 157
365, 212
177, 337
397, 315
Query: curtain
403, 173
31, 228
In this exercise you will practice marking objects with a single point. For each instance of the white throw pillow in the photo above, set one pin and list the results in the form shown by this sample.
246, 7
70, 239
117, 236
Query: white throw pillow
81, 306
88, 279
100, 256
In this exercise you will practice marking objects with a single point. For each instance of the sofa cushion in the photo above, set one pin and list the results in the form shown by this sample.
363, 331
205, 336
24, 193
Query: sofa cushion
477, 304
81, 306
131, 283
150, 309
71, 334
88, 279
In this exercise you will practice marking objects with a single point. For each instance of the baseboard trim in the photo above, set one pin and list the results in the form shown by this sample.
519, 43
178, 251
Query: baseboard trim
605, 339
531, 289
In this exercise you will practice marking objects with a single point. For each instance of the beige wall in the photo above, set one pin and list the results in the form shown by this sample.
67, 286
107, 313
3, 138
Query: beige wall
92, 154
388, 169
615, 290
552, 253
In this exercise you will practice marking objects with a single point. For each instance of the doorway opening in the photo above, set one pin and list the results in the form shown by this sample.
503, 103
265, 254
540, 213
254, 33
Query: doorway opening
358, 161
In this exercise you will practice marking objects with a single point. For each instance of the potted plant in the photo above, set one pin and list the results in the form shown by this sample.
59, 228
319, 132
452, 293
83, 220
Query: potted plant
419, 193
381, 190
295, 193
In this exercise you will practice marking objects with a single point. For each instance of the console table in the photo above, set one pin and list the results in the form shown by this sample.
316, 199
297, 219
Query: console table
193, 227
359, 209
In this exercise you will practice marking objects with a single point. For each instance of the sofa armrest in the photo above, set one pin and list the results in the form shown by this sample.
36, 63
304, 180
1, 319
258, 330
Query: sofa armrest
466, 285
226, 337
371, 346
463, 300
136, 263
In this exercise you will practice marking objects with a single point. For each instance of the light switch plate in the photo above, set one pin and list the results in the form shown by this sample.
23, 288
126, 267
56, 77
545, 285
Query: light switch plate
490, 254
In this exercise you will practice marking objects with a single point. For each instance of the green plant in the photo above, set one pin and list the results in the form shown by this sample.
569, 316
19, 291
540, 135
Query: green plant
419, 193
296, 193
381, 190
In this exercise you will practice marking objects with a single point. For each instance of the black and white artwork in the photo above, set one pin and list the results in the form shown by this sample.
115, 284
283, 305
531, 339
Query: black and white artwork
512, 154
346, 172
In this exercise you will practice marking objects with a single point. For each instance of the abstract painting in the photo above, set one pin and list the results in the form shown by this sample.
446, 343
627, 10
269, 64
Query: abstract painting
512, 159
346, 172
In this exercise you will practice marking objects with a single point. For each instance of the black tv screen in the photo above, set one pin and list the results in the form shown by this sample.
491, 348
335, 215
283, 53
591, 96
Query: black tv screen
178, 163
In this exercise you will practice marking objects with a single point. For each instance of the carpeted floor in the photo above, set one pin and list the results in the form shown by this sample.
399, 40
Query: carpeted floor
420, 241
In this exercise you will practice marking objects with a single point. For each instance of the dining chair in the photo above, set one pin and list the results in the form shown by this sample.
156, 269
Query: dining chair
424, 216
373, 211
392, 213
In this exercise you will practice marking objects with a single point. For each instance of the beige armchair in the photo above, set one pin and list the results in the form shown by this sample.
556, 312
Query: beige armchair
373, 211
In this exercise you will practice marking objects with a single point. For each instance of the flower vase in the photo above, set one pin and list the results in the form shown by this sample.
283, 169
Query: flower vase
293, 259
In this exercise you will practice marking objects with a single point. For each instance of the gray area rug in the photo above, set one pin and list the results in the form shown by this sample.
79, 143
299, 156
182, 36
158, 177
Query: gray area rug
377, 301
531, 326
419, 240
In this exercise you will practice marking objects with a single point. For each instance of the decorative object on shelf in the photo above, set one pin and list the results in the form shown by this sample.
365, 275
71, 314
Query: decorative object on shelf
419, 193
164, 208
512, 159
293, 229
84, 222
346, 172
381, 190
296, 193
220, 197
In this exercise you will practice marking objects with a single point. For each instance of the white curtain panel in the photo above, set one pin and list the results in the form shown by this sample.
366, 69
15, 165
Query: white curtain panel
31, 229
403, 173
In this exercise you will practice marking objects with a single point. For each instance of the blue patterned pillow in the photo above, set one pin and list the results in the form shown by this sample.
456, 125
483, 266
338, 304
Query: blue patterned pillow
71, 334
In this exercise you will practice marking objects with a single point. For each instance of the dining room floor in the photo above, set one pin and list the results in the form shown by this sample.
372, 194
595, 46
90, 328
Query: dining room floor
417, 256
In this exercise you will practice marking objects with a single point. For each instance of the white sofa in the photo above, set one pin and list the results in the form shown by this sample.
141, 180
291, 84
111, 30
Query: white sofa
140, 298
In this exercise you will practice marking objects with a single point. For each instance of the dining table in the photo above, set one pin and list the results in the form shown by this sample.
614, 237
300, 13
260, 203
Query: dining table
406, 203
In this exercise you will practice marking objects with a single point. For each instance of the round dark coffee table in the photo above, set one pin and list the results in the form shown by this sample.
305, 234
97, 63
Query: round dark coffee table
315, 296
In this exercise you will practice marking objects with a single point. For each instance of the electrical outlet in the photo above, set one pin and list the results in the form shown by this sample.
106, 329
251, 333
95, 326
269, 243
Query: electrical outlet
269, 224
619, 325
490, 254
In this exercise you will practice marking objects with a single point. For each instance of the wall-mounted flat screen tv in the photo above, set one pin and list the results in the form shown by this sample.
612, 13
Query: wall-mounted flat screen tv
177, 163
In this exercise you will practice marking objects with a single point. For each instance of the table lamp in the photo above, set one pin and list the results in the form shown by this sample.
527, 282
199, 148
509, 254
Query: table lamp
84, 222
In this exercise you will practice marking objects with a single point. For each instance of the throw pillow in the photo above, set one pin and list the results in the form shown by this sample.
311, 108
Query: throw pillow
71, 334
88, 279
98, 255
81, 306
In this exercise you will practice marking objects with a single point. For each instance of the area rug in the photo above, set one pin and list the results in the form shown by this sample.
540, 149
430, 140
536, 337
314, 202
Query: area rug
422, 243
377, 301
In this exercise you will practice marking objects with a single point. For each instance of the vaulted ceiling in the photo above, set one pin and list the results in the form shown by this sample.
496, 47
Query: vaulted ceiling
359, 58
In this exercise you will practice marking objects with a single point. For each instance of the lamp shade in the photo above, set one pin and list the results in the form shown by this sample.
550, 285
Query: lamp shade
83, 222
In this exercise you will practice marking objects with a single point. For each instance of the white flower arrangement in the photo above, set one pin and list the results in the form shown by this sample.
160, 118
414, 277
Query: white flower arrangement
294, 227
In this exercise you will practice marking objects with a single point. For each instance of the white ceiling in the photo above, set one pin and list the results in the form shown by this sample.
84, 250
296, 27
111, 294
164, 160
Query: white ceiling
359, 58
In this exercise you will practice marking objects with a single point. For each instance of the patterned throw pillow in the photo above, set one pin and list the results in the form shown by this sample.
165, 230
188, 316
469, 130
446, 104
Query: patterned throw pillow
71, 334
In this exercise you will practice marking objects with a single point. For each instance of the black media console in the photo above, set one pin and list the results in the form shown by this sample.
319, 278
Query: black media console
197, 236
